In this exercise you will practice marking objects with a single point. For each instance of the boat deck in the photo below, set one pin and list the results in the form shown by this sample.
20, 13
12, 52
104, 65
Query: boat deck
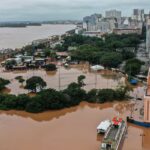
112, 133
114, 136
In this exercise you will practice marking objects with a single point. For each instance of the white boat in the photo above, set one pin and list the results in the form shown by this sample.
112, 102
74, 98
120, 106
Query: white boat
103, 126
97, 67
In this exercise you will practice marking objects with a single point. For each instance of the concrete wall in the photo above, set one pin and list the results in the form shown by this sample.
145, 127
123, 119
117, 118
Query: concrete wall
147, 109
147, 100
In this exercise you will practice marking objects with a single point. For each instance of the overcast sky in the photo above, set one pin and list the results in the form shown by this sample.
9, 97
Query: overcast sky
36, 10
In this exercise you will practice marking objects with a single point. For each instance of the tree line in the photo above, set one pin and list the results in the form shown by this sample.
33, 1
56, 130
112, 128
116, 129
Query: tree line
51, 99
109, 51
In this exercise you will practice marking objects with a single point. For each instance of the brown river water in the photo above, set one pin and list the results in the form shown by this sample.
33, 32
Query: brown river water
68, 129
72, 128
19, 37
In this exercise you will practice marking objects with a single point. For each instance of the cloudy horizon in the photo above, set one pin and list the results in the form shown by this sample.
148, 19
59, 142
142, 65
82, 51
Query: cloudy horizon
44, 10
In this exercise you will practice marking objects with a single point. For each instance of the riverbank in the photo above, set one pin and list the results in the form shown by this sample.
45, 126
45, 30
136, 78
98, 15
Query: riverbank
18, 25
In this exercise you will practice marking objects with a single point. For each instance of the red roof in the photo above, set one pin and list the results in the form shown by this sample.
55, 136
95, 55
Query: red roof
116, 120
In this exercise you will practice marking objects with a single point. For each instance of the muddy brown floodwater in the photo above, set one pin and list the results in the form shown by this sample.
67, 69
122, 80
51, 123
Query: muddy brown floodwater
68, 129
62, 77
72, 128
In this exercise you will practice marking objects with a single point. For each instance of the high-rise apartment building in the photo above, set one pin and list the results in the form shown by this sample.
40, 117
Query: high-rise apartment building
138, 14
90, 22
113, 14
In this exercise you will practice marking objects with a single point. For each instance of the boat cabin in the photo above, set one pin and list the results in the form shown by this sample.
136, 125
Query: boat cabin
103, 126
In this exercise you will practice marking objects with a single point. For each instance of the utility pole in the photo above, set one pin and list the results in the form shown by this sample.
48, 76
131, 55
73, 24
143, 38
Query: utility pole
59, 80
95, 79
132, 110
142, 135
107, 83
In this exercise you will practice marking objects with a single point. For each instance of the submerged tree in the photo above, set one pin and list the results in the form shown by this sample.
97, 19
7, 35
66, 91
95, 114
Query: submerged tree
80, 80
133, 67
20, 79
50, 67
35, 83
3, 83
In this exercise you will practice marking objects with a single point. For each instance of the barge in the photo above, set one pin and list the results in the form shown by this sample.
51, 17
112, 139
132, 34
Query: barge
114, 135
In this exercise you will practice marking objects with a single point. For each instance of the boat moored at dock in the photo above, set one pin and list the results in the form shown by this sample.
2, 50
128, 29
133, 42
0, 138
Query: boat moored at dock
114, 134
103, 126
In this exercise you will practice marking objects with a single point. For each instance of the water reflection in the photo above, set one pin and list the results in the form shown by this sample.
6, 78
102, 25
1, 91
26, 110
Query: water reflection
51, 73
63, 77
73, 128
50, 115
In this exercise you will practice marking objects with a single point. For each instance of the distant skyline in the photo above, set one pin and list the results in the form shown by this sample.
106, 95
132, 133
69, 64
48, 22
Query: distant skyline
45, 10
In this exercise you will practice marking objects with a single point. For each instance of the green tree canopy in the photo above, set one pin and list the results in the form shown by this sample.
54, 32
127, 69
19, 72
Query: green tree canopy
49, 53
87, 53
9, 64
112, 59
50, 67
133, 66
81, 80
20, 79
35, 83
3, 83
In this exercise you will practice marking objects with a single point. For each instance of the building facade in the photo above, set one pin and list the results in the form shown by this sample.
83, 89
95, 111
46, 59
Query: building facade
121, 31
113, 14
147, 100
138, 14
114, 22
90, 22
103, 26
148, 37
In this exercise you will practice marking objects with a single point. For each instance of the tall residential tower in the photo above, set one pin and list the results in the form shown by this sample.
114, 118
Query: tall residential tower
113, 14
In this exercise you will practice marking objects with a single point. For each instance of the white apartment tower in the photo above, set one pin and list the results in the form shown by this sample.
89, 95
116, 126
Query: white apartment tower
113, 14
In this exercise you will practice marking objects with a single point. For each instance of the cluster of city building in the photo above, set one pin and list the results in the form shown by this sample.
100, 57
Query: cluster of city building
114, 22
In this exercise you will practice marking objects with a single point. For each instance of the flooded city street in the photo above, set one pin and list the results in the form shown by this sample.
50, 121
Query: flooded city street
68, 129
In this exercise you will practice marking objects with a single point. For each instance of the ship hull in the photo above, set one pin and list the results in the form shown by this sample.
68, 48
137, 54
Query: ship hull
138, 123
